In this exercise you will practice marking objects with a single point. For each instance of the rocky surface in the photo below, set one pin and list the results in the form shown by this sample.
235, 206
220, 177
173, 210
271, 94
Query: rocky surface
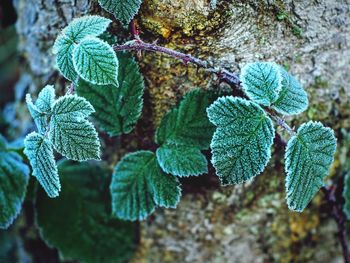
248, 223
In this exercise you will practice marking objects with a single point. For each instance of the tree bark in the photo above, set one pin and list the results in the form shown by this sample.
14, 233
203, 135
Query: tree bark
244, 223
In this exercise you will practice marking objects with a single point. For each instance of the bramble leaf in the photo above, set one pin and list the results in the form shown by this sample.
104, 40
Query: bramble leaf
63, 50
71, 134
41, 109
241, 145
14, 177
96, 62
46, 99
82, 213
139, 185
261, 82
309, 155
40, 154
117, 108
292, 98
346, 195
82, 27
181, 160
186, 128
123, 10
188, 124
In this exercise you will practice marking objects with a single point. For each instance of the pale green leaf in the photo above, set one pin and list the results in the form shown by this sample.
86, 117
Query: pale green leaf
117, 108
188, 124
96, 62
40, 154
186, 128
63, 49
85, 26
181, 160
41, 109
241, 145
139, 185
71, 134
309, 155
346, 195
46, 99
14, 177
79, 223
123, 10
261, 82
292, 98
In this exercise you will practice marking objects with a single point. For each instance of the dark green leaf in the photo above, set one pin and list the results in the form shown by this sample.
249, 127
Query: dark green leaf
139, 185
79, 222
14, 177
117, 108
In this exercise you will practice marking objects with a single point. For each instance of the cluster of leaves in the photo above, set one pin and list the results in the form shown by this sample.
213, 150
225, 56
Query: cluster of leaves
241, 145
144, 180
240, 133
62, 125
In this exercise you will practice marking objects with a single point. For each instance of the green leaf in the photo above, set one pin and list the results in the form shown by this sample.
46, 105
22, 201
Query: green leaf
181, 160
41, 109
139, 185
14, 177
79, 222
189, 123
46, 99
40, 154
123, 10
117, 108
63, 50
71, 134
186, 128
346, 195
261, 82
82, 27
96, 62
309, 155
292, 98
241, 145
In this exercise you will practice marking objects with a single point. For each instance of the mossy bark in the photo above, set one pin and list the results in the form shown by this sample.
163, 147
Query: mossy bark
250, 222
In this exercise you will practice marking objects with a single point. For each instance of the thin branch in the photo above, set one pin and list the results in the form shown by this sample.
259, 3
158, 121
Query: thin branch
139, 45
339, 218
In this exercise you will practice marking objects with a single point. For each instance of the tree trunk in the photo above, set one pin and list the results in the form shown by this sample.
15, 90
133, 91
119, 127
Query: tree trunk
244, 223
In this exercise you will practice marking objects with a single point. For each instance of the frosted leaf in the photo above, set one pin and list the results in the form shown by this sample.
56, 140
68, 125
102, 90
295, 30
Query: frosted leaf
85, 26
292, 98
14, 177
40, 154
63, 49
309, 155
261, 82
241, 145
183, 132
71, 134
139, 185
41, 109
181, 160
117, 108
123, 10
96, 62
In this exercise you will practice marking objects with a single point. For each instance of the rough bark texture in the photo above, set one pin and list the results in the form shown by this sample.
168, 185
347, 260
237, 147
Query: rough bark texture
247, 223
